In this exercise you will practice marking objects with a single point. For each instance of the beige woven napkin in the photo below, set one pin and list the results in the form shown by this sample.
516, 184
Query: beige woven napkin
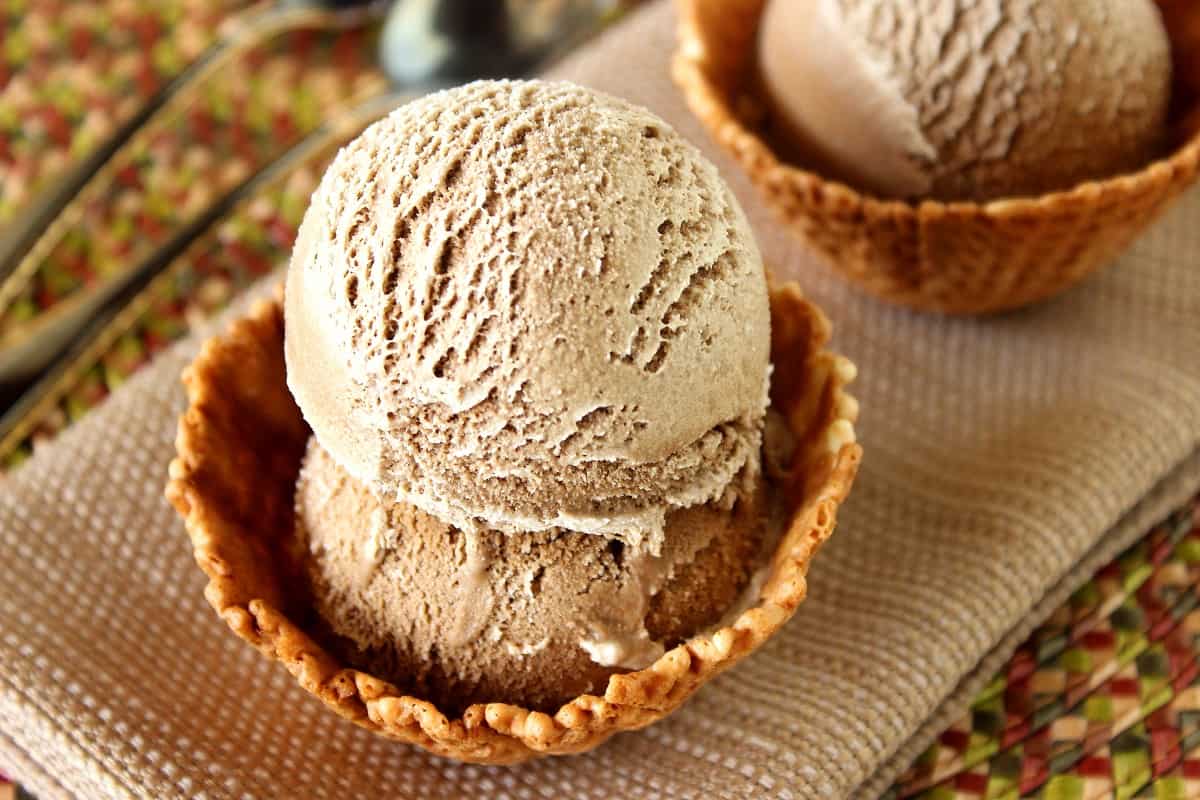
1000, 453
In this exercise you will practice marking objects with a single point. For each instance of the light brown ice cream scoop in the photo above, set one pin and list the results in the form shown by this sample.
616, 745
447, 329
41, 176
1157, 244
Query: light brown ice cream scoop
535, 619
525, 306
967, 99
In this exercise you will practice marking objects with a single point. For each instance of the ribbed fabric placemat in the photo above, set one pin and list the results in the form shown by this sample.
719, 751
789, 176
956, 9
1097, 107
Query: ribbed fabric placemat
999, 452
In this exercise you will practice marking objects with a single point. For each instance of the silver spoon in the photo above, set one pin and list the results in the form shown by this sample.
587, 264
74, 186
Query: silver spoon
434, 43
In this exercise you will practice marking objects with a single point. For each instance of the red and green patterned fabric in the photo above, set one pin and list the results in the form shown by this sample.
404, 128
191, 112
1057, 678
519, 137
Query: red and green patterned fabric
1104, 694
247, 244
73, 72
204, 144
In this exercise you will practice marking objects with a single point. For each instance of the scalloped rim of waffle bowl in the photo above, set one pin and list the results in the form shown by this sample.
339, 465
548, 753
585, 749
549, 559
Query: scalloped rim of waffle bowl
713, 69
239, 447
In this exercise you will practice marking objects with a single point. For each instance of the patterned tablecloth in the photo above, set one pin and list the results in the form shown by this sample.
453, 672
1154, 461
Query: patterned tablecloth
1103, 700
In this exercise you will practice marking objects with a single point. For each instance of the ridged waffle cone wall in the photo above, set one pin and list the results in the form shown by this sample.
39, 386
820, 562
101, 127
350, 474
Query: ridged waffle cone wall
239, 448
956, 258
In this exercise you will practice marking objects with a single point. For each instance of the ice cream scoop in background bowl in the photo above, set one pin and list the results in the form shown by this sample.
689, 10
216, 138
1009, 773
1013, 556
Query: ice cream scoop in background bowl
959, 228
531, 333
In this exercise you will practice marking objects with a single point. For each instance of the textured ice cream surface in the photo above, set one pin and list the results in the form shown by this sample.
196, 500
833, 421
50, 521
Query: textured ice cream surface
537, 619
526, 306
967, 99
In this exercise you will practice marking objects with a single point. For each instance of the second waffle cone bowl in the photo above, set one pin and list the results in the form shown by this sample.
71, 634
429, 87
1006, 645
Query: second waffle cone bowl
239, 450
955, 258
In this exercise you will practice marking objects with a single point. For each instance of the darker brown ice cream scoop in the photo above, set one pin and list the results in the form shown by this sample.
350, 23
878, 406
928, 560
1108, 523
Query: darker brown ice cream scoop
536, 619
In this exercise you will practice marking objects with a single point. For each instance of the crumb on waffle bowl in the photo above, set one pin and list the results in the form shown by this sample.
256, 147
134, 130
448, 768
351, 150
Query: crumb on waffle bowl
239, 448
948, 257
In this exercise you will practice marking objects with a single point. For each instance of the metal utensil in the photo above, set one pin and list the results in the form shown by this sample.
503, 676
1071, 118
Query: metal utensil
18, 235
435, 43
114, 319
27, 349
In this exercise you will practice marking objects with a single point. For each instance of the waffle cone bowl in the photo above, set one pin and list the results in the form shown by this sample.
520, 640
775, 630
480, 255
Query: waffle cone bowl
958, 257
239, 450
